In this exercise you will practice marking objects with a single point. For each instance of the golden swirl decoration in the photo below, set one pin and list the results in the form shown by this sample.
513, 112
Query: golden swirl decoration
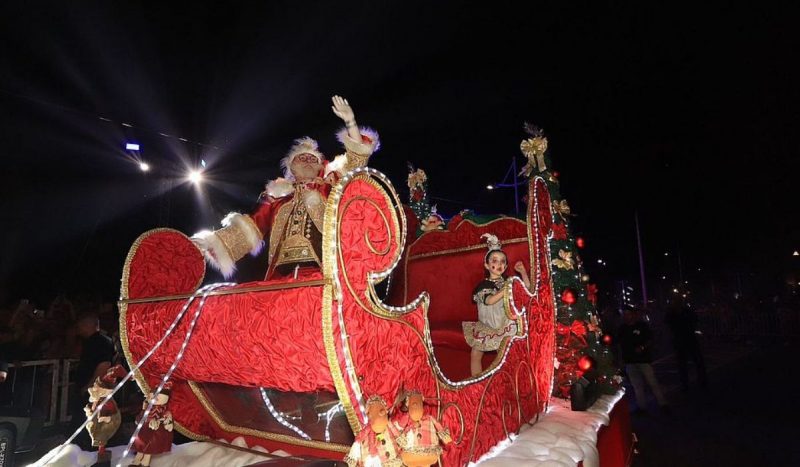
331, 267
534, 389
480, 410
344, 274
460, 420
503, 406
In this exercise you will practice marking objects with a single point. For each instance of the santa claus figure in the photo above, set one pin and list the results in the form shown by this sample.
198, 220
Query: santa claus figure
421, 434
434, 221
103, 424
155, 437
376, 445
291, 212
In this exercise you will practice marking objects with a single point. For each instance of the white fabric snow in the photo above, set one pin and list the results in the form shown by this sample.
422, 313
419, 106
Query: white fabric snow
561, 437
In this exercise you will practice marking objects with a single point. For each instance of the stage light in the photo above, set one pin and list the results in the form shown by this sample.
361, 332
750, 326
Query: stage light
796, 253
132, 146
203, 163
490, 187
195, 176
144, 166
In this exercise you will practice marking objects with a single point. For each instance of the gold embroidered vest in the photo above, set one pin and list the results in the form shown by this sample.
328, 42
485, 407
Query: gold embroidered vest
296, 236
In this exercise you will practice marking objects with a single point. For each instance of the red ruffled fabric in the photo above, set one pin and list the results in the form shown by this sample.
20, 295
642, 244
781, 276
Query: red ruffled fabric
274, 339
165, 263
268, 339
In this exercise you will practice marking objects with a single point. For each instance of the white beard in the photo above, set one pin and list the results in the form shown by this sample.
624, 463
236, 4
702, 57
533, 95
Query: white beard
312, 199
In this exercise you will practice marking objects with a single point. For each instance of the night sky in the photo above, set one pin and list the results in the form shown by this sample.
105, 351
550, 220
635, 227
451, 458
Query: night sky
687, 114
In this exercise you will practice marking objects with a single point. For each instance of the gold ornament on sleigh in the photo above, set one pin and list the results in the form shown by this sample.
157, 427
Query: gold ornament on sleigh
564, 260
416, 179
562, 209
534, 149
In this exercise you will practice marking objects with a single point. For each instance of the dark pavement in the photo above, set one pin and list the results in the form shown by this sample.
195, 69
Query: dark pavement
748, 415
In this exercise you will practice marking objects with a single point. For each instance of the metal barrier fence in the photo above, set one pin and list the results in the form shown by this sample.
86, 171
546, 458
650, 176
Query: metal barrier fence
38, 388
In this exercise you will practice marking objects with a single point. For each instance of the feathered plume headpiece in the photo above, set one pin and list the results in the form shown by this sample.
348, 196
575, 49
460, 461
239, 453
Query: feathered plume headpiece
493, 244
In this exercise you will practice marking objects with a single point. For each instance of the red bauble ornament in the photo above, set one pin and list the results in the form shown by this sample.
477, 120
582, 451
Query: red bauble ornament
555, 173
580, 242
607, 339
585, 363
568, 296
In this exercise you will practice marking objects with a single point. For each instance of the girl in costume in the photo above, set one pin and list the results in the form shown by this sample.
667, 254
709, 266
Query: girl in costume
493, 325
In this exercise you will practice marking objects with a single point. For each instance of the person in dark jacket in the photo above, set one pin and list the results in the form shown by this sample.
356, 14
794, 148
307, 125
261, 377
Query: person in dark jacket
682, 323
635, 339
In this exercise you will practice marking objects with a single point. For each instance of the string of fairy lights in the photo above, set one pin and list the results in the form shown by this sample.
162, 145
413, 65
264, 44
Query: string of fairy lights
201, 292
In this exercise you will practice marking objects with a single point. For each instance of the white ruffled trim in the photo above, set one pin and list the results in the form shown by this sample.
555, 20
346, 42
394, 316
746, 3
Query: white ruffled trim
337, 165
253, 236
279, 188
360, 147
304, 145
215, 252
312, 198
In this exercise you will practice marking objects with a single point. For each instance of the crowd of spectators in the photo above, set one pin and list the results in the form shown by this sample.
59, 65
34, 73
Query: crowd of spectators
82, 328
30, 331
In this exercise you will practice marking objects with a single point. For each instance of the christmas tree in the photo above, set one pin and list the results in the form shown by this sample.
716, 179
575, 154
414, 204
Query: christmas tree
582, 349
427, 216
418, 193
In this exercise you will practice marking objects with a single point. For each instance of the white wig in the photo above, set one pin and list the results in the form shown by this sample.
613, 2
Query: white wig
304, 145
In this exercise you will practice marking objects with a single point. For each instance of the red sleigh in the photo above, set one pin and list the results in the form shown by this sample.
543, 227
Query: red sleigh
287, 364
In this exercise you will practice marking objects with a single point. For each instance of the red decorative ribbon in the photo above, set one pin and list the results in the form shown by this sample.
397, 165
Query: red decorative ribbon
559, 231
577, 328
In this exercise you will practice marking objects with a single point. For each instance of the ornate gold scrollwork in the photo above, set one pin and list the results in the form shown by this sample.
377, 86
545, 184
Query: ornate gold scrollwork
480, 410
534, 389
503, 406
460, 420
